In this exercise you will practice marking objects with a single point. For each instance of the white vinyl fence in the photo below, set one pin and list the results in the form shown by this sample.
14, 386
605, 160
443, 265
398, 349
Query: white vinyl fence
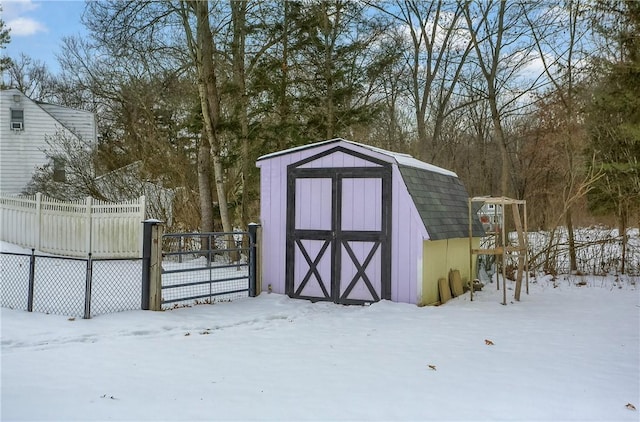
76, 228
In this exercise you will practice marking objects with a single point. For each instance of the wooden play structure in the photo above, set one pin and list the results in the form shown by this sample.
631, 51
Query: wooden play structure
496, 241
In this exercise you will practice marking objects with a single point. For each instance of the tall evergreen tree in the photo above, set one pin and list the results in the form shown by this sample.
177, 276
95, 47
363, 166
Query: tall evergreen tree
333, 55
614, 119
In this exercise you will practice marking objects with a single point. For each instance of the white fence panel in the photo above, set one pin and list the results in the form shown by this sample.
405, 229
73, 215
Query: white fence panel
107, 230
18, 220
117, 228
63, 227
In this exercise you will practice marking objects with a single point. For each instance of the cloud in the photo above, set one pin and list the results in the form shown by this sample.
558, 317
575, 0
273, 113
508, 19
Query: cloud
18, 16
14, 8
21, 27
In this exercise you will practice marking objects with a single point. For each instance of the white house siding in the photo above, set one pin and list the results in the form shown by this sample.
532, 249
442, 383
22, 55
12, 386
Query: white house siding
22, 151
81, 122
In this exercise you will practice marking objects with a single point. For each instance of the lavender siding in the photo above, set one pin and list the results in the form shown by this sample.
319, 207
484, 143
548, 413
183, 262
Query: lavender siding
408, 234
337, 159
407, 229
362, 204
273, 216
313, 204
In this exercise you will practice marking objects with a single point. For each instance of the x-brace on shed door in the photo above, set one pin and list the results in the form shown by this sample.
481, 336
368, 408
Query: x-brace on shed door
338, 228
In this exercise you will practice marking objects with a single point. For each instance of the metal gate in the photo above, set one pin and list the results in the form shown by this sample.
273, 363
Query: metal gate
207, 267
338, 233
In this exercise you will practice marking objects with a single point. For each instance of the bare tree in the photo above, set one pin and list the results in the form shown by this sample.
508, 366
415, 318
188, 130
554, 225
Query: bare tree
435, 57
502, 50
203, 49
31, 77
241, 109
558, 36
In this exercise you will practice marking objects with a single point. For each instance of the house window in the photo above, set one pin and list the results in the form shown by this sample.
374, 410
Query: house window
17, 119
59, 174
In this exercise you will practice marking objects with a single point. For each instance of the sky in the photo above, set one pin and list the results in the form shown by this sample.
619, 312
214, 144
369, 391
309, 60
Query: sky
38, 27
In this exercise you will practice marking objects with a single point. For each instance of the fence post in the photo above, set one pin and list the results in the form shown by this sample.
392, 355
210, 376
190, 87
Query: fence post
146, 261
155, 268
259, 252
32, 274
88, 212
142, 206
38, 244
253, 237
152, 265
87, 289
142, 209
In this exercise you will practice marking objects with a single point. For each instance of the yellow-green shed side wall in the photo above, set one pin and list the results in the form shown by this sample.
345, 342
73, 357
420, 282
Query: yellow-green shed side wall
440, 256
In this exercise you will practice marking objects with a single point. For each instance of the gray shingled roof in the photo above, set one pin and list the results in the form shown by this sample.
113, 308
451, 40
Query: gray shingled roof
442, 202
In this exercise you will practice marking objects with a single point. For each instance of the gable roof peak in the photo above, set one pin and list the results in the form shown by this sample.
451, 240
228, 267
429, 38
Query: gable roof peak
400, 158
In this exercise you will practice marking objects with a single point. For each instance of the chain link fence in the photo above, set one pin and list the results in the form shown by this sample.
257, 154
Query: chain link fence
116, 285
76, 287
14, 270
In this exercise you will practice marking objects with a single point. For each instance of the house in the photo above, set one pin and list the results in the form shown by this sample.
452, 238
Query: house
128, 182
490, 216
352, 224
25, 126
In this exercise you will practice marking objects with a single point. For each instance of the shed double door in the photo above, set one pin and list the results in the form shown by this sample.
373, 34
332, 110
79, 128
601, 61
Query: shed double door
338, 243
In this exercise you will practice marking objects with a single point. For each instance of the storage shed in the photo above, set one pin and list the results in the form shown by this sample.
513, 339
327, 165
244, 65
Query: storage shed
352, 224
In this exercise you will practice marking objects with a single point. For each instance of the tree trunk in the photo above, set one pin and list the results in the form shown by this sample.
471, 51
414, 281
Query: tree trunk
572, 243
490, 73
238, 16
423, 138
210, 102
204, 186
549, 267
623, 233
328, 77
500, 139
283, 105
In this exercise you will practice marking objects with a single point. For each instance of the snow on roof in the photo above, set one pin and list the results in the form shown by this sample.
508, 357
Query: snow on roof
409, 161
400, 158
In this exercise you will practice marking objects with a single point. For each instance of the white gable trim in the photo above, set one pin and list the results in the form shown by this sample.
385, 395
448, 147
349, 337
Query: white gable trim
398, 158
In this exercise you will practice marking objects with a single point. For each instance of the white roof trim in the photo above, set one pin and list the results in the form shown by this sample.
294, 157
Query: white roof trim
400, 158
301, 147
412, 162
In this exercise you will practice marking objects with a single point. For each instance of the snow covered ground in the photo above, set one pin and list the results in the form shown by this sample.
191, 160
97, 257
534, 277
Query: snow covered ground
565, 352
